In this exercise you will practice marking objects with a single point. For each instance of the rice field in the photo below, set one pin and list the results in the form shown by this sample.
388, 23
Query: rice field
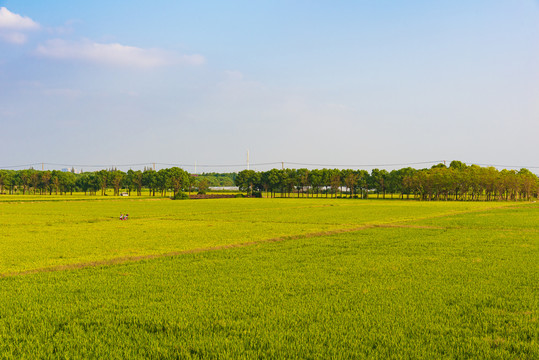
268, 278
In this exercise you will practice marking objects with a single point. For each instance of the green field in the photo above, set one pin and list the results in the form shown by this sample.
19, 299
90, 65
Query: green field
267, 278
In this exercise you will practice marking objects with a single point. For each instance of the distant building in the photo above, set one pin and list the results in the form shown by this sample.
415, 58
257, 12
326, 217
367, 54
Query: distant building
73, 170
226, 188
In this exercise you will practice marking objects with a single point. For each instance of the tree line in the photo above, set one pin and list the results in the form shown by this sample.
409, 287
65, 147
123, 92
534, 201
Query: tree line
98, 182
457, 181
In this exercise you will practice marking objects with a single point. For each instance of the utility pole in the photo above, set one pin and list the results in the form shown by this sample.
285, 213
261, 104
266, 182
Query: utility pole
195, 166
153, 166
282, 165
42, 167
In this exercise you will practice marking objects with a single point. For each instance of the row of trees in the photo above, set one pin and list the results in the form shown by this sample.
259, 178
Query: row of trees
457, 182
59, 182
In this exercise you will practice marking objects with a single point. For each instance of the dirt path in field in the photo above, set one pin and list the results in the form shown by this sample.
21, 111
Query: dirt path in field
128, 259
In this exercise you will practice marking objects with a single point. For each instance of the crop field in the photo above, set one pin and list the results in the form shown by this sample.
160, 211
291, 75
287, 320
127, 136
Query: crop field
267, 278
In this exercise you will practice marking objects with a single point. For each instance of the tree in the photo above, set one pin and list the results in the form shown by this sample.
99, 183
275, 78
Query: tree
363, 183
302, 180
406, 175
248, 181
45, 179
335, 181
116, 178
149, 179
68, 181
163, 181
288, 179
326, 180
528, 182
457, 165
350, 180
24, 176
6, 177
103, 180
192, 181
379, 179
178, 179
135, 180
274, 179
315, 180
34, 179
203, 186
94, 183
264, 181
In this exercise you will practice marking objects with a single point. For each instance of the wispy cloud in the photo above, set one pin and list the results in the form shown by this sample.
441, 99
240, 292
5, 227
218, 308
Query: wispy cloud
13, 37
113, 54
63, 92
233, 75
13, 26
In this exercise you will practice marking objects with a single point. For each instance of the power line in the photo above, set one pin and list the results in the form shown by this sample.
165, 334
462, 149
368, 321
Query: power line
279, 163
16, 166
366, 165
507, 166
220, 165
99, 165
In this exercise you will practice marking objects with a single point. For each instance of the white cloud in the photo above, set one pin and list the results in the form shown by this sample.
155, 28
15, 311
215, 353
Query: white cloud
113, 54
13, 37
11, 21
13, 26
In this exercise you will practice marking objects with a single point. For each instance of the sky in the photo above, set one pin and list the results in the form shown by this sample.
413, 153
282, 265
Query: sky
353, 83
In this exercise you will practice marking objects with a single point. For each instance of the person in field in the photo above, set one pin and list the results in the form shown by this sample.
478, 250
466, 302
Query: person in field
121, 216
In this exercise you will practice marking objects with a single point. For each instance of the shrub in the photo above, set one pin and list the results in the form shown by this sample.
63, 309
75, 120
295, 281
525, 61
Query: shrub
180, 195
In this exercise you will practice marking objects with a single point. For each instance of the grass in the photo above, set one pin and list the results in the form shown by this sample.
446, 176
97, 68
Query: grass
453, 280
46, 234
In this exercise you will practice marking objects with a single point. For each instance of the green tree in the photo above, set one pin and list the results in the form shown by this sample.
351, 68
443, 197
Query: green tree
315, 180
103, 180
44, 181
178, 179
335, 181
116, 178
274, 180
68, 182
457, 165
163, 181
350, 178
248, 181
6, 177
149, 179
203, 186
302, 181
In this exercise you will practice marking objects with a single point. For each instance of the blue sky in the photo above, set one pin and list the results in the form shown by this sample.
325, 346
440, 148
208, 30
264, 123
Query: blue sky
346, 82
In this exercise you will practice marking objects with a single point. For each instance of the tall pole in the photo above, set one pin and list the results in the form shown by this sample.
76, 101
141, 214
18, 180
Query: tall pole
153, 166
42, 167
282, 165
195, 166
247, 159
